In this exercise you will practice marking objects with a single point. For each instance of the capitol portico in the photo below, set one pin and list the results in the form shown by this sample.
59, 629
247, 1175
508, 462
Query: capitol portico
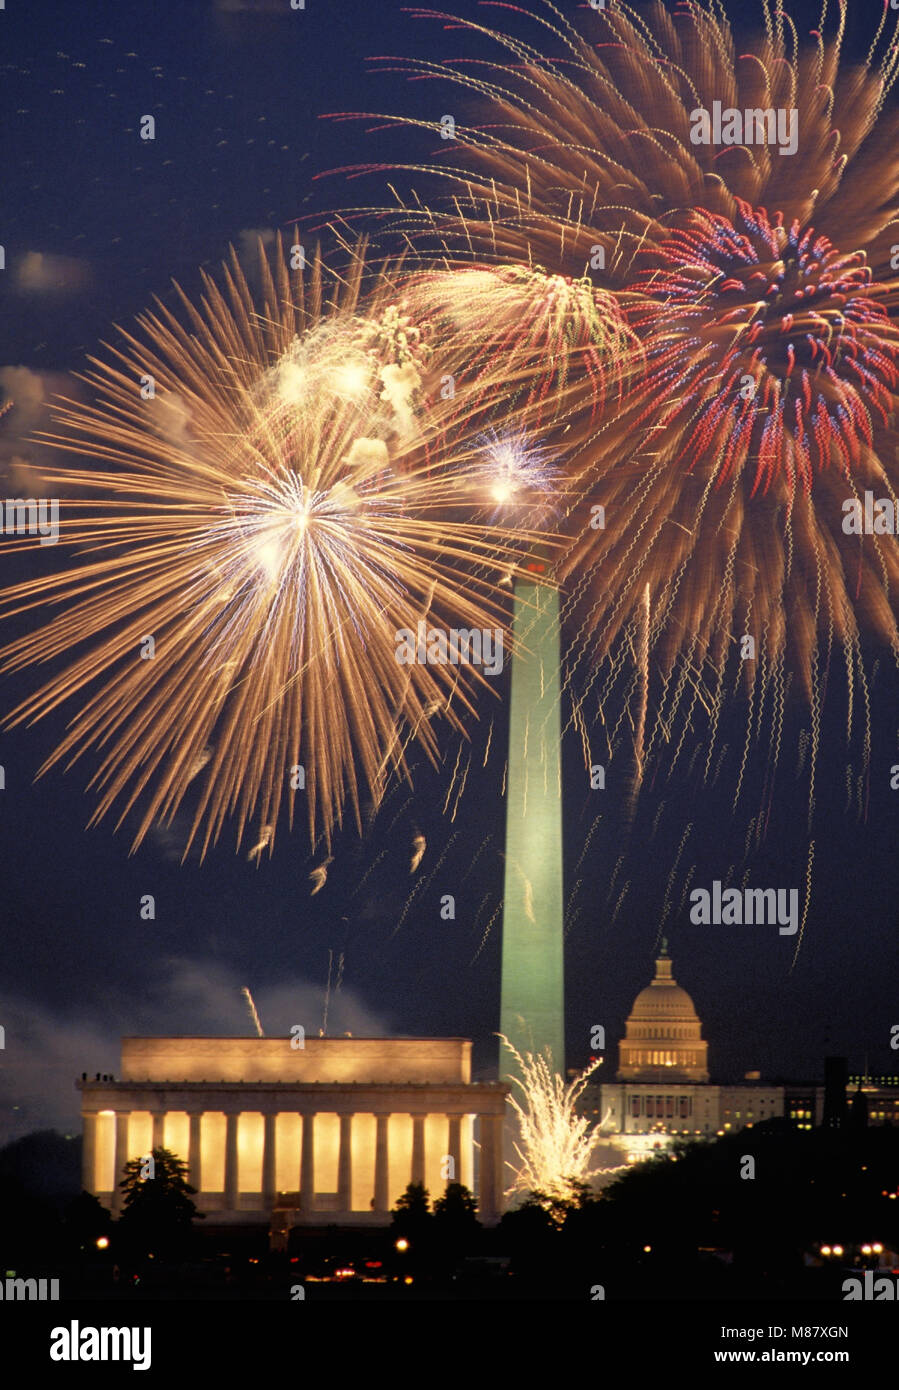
332, 1131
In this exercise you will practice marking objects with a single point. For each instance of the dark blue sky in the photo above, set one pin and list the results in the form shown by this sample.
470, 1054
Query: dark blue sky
95, 222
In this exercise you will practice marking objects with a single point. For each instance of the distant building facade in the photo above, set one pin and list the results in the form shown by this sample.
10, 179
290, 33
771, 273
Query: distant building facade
881, 1096
328, 1132
662, 1089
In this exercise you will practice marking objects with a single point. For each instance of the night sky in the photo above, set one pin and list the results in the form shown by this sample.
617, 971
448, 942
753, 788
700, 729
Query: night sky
95, 223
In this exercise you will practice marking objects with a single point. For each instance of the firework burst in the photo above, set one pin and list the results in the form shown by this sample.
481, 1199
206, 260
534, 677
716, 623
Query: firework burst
760, 287
245, 546
556, 1143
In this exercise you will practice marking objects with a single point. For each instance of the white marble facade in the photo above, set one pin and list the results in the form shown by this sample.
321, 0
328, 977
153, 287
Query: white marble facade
331, 1131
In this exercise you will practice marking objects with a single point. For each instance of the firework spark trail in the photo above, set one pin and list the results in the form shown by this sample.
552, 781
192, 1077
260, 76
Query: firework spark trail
746, 747
368, 872
419, 845
489, 739
478, 852
461, 789
615, 666
570, 922
721, 757
449, 790
571, 897
618, 863
666, 902
483, 941
481, 905
643, 667
424, 883
686, 728
687, 881
319, 876
624, 712
393, 792
779, 701
527, 890
617, 908
265, 839
866, 750
805, 906
253, 1014
597, 820
580, 722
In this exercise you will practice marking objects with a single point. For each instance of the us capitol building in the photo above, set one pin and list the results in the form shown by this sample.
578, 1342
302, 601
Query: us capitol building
662, 1089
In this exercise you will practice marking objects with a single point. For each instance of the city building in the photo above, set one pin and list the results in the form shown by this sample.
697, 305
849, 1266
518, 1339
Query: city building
662, 1089
329, 1131
881, 1096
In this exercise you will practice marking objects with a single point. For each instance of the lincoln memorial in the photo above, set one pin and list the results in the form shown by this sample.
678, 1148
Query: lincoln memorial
328, 1131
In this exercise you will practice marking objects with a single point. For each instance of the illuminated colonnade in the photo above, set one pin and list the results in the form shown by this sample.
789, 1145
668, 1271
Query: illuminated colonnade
326, 1150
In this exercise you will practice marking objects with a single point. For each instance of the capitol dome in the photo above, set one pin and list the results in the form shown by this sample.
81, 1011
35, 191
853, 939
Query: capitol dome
663, 1039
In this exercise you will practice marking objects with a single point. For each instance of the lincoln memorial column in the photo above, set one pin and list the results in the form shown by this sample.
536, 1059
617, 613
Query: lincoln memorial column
418, 1148
121, 1157
268, 1162
490, 1197
158, 1140
455, 1147
231, 1189
89, 1153
345, 1164
194, 1171
382, 1171
307, 1165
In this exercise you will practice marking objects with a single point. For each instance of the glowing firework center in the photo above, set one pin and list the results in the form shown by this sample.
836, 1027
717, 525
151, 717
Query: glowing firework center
329, 1132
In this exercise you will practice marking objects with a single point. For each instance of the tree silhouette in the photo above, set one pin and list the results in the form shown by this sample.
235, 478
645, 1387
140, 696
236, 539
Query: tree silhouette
457, 1206
456, 1225
159, 1214
412, 1215
86, 1220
